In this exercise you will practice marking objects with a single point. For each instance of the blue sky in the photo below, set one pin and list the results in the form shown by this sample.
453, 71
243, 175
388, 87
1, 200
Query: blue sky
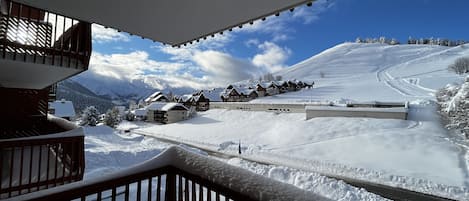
277, 43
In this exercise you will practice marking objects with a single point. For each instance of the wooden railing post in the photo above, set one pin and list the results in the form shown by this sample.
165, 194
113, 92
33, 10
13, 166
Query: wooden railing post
170, 191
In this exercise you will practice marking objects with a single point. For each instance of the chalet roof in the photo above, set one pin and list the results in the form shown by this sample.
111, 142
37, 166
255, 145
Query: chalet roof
158, 98
247, 91
173, 22
214, 95
153, 95
198, 97
164, 106
63, 108
185, 98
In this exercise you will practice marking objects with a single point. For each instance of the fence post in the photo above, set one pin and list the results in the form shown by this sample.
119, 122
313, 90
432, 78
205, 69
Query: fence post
170, 191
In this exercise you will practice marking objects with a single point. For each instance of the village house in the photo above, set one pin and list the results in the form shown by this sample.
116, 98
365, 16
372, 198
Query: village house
200, 102
292, 86
248, 94
186, 100
261, 90
272, 89
156, 97
283, 86
63, 109
166, 112
231, 95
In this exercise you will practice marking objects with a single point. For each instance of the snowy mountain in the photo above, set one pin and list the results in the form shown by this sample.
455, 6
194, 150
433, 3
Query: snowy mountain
354, 71
121, 90
81, 96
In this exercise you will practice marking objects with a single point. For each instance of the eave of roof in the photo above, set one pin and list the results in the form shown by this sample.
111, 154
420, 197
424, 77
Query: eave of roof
173, 22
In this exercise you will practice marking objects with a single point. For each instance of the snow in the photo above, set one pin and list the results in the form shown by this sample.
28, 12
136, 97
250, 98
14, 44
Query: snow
362, 109
163, 106
387, 72
63, 108
414, 151
416, 154
107, 152
331, 188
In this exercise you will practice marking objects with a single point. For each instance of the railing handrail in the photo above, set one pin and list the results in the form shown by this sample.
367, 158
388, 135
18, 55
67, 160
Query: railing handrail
230, 179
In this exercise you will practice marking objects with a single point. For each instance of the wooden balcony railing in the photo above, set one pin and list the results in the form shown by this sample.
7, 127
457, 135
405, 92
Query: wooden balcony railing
33, 35
177, 175
31, 164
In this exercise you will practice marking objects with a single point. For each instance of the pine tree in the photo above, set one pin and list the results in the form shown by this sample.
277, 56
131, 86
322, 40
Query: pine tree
111, 118
90, 116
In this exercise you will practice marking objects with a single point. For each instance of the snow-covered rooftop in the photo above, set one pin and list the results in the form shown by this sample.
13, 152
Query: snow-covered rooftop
63, 108
163, 106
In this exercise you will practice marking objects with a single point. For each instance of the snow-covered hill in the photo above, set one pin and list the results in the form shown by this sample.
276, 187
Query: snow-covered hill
363, 72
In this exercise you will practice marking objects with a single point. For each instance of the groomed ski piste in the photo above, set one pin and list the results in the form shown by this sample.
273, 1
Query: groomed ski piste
418, 154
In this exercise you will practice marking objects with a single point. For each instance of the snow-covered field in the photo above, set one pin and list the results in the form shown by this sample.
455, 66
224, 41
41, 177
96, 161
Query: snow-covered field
417, 154
108, 150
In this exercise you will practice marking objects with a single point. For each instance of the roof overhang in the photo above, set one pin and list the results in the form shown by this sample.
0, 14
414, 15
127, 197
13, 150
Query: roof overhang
173, 22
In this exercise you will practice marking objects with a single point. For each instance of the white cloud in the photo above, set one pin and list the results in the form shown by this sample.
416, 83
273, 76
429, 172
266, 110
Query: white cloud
251, 42
272, 57
128, 66
101, 34
222, 68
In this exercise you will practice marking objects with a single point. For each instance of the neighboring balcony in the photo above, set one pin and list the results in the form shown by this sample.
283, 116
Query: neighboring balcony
39, 48
29, 164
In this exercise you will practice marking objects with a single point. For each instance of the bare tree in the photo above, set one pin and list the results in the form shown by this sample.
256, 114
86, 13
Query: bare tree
460, 66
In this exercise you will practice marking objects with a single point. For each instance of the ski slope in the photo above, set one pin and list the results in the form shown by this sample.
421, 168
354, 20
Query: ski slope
365, 72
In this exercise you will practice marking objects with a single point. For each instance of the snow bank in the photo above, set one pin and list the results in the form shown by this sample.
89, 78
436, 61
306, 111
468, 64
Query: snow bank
107, 151
314, 182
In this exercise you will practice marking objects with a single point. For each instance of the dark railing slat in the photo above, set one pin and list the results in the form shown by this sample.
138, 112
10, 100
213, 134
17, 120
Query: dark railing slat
158, 189
139, 190
1, 170
12, 156
62, 43
126, 198
31, 156
44, 56
48, 163
16, 34
170, 191
27, 29
72, 161
20, 180
201, 192
193, 191
39, 167
186, 190
56, 171
54, 40
149, 188
209, 194
180, 187
113, 195
98, 196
